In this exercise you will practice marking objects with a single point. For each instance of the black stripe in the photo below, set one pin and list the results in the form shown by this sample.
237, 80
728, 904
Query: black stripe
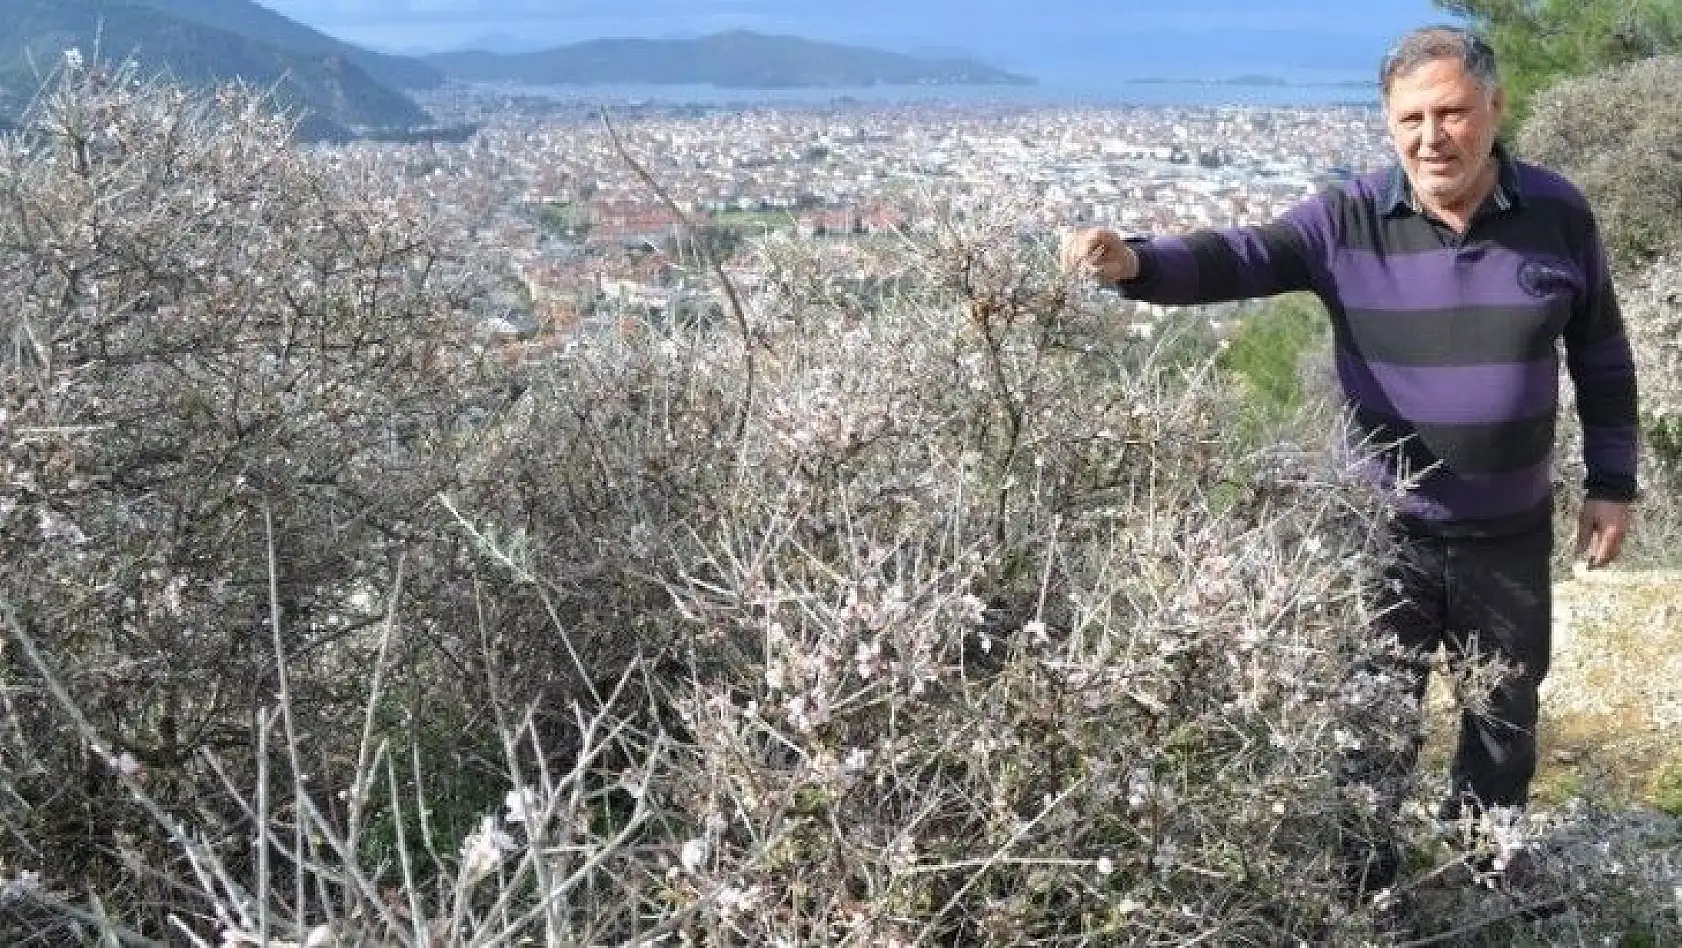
1608, 403
1604, 322
1221, 278
1353, 214
1468, 336
1537, 517
1526, 232
1542, 225
1496, 448
1403, 233
1290, 255
1218, 276
1574, 218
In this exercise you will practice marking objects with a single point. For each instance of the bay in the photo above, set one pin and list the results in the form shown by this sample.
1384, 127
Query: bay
1059, 94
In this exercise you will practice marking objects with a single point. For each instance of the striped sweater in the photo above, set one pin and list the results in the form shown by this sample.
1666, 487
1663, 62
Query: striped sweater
1447, 345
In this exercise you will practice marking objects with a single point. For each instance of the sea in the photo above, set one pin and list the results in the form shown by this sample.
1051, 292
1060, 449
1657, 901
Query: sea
1045, 94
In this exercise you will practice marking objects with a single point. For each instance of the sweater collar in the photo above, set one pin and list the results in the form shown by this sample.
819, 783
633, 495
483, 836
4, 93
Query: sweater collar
1399, 196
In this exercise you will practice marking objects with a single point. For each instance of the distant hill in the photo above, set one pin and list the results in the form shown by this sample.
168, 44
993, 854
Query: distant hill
739, 60
342, 99
250, 19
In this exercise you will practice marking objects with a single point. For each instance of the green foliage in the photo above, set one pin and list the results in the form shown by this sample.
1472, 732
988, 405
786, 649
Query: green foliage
1266, 354
564, 220
1667, 788
755, 222
1617, 134
1664, 437
1539, 42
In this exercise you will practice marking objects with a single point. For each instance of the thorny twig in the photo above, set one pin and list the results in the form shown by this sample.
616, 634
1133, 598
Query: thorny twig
1455, 934
737, 310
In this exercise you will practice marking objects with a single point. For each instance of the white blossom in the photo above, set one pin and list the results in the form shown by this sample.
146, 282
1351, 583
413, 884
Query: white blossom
693, 855
127, 765
732, 899
523, 805
482, 851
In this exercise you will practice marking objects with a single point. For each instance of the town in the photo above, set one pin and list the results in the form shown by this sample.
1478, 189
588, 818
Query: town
586, 241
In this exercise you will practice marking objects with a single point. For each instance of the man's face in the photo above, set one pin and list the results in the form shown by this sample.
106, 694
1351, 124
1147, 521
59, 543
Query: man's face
1443, 121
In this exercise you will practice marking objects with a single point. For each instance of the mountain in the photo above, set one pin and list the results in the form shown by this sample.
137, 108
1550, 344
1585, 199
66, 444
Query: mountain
340, 98
507, 44
738, 60
249, 19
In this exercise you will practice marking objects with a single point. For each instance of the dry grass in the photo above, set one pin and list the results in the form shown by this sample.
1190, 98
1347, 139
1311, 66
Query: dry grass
1612, 702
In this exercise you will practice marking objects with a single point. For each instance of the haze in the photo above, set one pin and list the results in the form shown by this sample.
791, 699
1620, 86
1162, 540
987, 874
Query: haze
1052, 39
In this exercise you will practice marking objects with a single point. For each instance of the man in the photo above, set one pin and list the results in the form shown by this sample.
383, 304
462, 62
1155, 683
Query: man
1450, 280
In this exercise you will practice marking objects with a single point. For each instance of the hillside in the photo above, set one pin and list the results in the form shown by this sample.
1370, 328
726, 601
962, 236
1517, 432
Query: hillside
1614, 696
1612, 701
738, 59
337, 94
249, 19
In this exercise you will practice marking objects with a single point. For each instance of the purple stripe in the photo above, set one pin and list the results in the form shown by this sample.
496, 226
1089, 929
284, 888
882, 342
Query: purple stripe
1607, 359
1441, 496
1173, 272
1371, 187
1435, 279
1452, 394
1611, 450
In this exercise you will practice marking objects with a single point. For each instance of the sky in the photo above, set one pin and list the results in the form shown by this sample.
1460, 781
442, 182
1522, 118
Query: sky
1046, 38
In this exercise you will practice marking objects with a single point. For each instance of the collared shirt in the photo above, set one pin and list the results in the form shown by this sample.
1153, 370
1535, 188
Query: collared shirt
1399, 195
1447, 344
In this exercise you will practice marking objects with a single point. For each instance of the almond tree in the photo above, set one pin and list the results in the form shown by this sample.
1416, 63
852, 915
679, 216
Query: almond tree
230, 385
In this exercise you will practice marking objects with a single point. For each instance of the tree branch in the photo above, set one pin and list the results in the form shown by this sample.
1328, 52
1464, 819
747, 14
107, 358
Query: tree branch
713, 263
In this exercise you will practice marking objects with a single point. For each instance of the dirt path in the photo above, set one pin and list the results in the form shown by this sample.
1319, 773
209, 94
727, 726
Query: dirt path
1612, 704
1612, 701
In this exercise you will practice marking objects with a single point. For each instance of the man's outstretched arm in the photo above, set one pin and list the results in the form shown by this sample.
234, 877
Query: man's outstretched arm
1209, 266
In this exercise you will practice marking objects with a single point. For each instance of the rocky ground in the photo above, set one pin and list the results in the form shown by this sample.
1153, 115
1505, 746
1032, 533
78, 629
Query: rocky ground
1612, 704
1604, 834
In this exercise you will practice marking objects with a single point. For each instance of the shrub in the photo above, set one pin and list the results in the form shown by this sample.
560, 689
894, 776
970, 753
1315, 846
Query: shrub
1618, 134
235, 376
928, 612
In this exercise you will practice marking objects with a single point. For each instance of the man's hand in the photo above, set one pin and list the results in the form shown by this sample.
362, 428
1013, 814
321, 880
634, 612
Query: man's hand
1600, 531
1099, 252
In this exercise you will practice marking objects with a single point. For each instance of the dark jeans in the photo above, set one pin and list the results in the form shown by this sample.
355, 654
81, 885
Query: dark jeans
1479, 597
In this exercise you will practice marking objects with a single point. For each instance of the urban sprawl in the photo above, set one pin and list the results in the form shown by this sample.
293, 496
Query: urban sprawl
585, 241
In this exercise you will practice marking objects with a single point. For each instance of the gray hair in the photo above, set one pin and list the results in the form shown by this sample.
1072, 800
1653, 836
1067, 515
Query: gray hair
1430, 44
